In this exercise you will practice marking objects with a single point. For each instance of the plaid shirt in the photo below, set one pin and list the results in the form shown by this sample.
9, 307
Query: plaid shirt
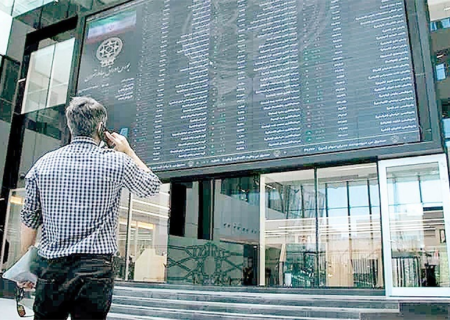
74, 192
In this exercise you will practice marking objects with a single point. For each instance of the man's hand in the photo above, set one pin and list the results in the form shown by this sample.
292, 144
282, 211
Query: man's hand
26, 285
121, 143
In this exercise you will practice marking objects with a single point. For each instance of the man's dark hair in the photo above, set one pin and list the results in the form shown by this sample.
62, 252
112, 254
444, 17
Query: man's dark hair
83, 116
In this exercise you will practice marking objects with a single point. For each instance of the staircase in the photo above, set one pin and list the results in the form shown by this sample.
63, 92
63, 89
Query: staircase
152, 301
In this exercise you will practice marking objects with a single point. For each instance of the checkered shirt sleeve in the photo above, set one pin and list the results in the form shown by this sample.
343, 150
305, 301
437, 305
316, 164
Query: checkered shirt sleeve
31, 213
139, 182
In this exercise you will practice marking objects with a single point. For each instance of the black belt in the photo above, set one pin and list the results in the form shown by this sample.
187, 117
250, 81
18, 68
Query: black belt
83, 256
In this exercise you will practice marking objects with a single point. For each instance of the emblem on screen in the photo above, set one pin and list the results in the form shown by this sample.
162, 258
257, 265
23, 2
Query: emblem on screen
109, 50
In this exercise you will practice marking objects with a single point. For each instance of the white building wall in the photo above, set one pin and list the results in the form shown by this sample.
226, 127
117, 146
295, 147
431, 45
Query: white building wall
5, 30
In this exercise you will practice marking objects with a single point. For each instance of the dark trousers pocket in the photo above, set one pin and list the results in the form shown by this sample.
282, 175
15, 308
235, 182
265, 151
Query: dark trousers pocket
49, 301
93, 300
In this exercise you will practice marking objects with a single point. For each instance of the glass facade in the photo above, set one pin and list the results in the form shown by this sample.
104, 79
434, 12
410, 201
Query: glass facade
214, 232
22, 6
349, 227
291, 251
48, 76
9, 70
323, 228
417, 227
12, 227
142, 235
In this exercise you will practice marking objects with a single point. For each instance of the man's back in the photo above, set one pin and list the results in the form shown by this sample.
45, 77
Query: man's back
74, 193
79, 188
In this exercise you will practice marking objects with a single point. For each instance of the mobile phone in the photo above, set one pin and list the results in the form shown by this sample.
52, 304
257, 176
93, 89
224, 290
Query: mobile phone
105, 139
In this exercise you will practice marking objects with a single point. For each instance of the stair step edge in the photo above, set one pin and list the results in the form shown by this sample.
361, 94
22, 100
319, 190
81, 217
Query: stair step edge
260, 306
230, 314
258, 294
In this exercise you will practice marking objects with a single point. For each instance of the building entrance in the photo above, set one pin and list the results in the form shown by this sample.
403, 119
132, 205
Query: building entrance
322, 228
416, 198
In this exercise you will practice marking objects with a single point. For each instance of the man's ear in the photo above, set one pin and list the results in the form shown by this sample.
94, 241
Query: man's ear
99, 130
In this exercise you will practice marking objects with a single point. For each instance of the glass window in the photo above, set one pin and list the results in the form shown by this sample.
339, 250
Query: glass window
404, 188
445, 23
431, 190
433, 26
23, 6
236, 219
336, 195
12, 227
147, 252
358, 194
42, 134
38, 79
374, 193
214, 232
348, 250
8, 80
61, 71
350, 231
120, 260
291, 254
440, 72
5, 128
417, 228
48, 76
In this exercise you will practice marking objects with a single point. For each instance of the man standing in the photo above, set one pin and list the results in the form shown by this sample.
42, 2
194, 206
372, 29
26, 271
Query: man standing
74, 193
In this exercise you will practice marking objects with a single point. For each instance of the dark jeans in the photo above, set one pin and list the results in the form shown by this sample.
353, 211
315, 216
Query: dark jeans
79, 285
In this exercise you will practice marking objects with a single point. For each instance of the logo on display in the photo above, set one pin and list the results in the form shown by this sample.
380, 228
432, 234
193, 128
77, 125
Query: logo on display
108, 51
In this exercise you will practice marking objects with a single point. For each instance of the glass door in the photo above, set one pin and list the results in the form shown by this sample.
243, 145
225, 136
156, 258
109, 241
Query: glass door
415, 201
12, 228
12, 235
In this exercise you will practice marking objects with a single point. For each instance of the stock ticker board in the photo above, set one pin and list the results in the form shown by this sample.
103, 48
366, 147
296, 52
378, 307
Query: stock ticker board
212, 82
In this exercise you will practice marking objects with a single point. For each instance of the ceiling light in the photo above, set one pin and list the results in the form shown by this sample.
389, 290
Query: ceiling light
16, 200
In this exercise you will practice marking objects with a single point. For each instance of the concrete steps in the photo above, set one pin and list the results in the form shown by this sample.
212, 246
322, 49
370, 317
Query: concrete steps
141, 301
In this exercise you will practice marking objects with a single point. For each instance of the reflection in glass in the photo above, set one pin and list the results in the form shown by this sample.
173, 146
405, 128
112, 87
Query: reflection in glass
6, 6
214, 232
417, 228
43, 134
349, 227
38, 79
23, 6
13, 227
120, 260
147, 248
236, 227
61, 71
9, 73
48, 76
440, 72
290, 225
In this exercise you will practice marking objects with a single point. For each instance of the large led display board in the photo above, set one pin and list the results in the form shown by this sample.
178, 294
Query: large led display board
196, 83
